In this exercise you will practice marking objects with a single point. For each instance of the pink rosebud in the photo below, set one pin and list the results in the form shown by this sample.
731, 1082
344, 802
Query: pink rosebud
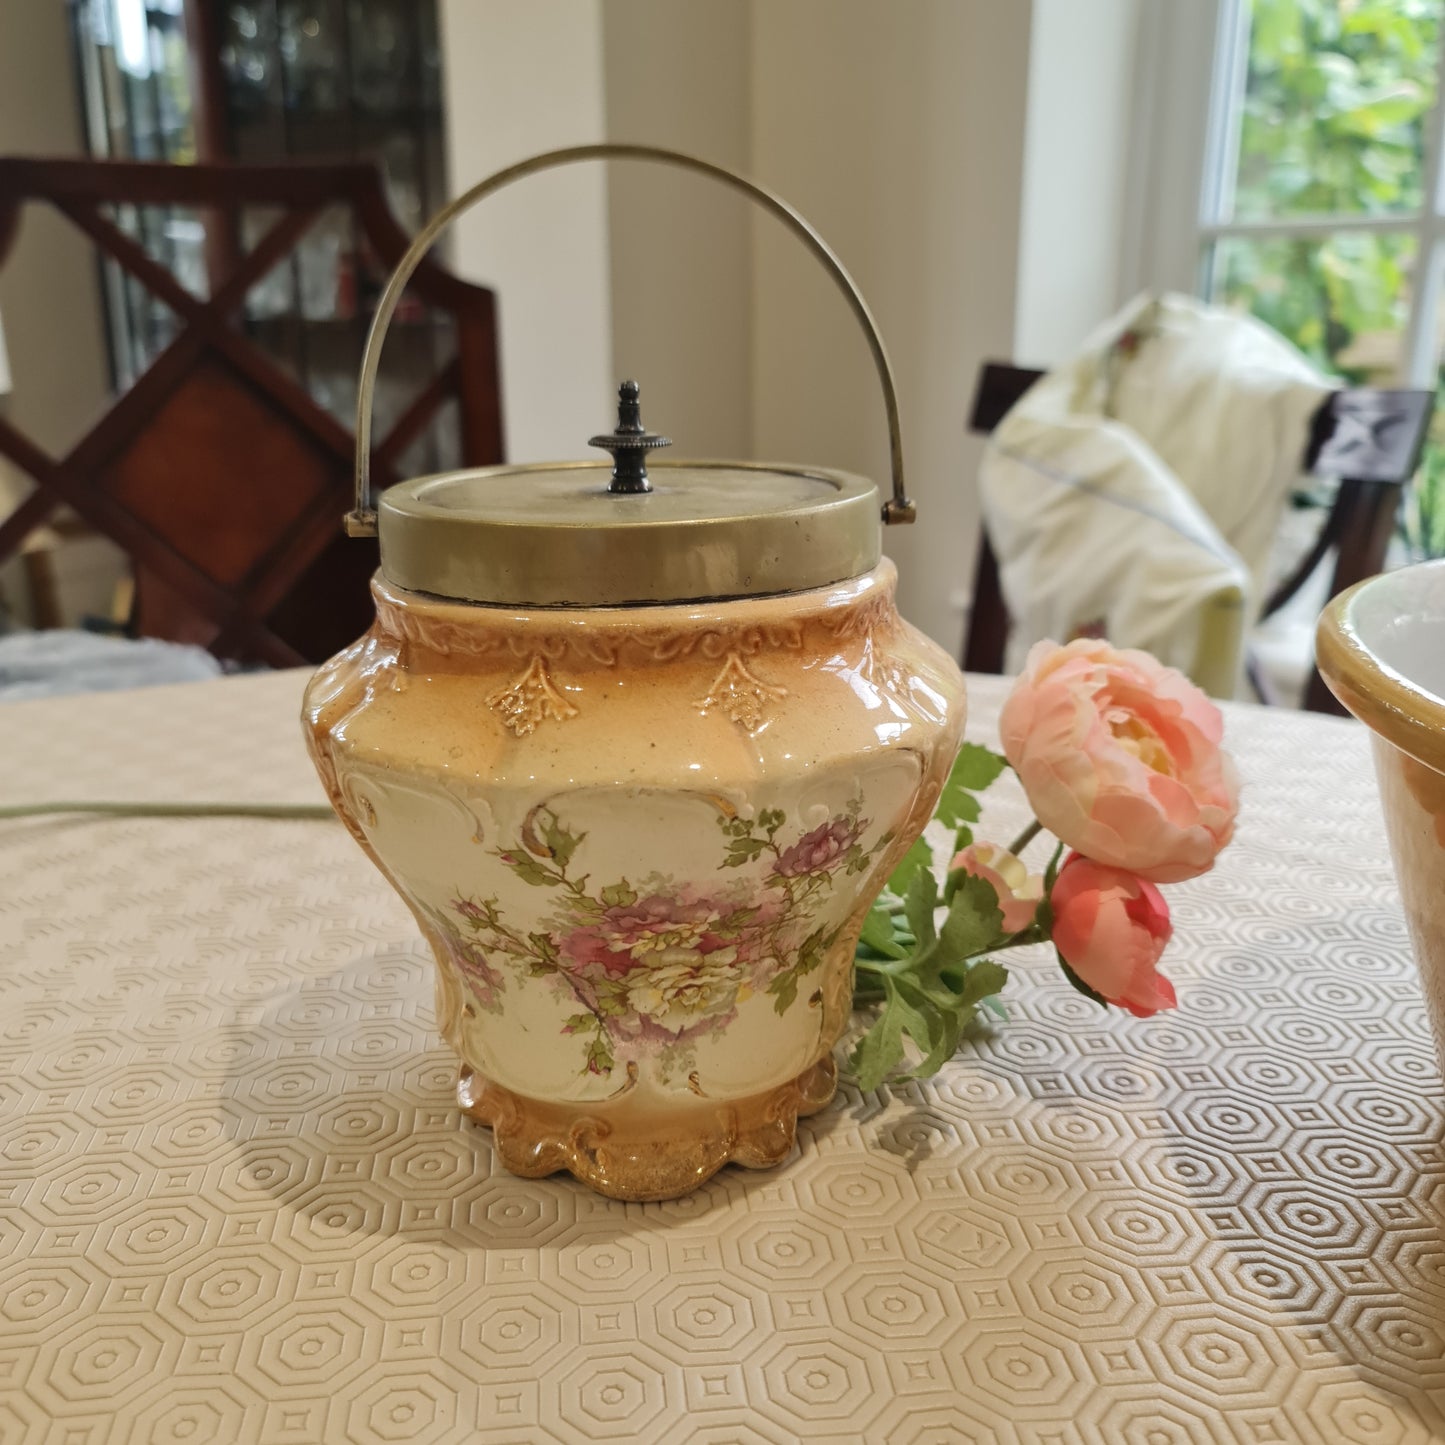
1018, 890
1110, 927
1120, 758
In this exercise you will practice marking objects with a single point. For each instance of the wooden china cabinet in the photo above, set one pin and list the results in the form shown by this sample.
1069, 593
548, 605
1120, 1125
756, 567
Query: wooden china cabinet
262, 81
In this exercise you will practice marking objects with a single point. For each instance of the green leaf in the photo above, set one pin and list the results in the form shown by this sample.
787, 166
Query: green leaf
974, 922
545, 946
934, 981
880, 1050
977, 767
918, 1015
560, 843
810, 954
919, 904
530, 871
974, 769
784, 989
619, 895
734, 922
1052, 871
984, 978
920, 855
743, 850
878, 933
952, 882
933, 1018
958, 806
935, 1030
578, 1023
1044, 913
599, 1056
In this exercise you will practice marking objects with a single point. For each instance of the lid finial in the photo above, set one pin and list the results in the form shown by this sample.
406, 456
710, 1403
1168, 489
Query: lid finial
629, 444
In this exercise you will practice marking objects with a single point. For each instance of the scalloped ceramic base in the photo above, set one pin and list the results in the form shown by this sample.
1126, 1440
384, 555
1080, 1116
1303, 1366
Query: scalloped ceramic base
641, 1157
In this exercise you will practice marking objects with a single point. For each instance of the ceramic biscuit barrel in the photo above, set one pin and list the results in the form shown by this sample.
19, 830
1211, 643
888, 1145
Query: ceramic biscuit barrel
638, 747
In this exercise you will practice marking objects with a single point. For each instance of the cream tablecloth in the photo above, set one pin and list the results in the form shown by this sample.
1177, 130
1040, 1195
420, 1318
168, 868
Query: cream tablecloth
237, 1204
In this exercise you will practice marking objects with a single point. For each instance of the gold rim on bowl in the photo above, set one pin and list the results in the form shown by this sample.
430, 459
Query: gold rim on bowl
1400, 710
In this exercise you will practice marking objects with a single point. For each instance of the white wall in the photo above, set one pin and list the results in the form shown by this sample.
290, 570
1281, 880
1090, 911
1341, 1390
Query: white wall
50, 299
1081, 83
678, 75
898, 131
521, 78
966, 165
1176, 51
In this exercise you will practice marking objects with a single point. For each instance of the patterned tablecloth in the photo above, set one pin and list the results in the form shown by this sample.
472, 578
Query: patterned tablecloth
237, 1203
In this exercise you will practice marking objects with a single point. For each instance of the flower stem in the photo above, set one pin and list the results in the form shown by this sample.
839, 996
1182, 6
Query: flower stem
1026, 837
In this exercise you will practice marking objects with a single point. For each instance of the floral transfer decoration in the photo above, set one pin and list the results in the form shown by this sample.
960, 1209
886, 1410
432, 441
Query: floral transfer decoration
652, 964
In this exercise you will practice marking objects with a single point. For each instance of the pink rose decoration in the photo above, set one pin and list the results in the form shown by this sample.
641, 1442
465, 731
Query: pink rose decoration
1120, 758
817, 850
632, 935
1110, 927
1018, 890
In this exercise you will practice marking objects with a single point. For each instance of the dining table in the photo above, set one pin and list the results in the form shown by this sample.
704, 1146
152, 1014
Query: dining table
239, 1203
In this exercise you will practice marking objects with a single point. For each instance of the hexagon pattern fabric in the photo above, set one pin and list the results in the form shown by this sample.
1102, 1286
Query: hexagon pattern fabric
237, 1202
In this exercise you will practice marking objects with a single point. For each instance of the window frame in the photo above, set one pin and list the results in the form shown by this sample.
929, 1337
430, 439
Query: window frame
1185, 158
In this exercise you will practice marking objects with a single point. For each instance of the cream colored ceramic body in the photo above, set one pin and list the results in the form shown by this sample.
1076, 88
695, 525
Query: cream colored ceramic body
1381, 648
641, 842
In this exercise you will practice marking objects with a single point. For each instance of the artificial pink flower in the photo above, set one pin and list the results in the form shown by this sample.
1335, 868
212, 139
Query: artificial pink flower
1120, 758
1111, 927
1019, 891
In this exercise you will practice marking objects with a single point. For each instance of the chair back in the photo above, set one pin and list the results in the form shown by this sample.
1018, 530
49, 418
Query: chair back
215, 470
1371, 439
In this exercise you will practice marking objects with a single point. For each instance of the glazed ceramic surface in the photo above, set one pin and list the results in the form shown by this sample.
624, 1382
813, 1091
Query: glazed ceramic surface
1382, 650
641, 842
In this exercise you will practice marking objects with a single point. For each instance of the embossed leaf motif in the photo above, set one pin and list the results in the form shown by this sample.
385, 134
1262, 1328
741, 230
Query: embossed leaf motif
530, 701
740, 695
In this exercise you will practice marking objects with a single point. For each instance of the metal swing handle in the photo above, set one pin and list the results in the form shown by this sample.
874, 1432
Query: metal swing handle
361, 522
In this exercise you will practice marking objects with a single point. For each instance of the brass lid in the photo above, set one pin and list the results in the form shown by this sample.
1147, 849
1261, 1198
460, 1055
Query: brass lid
583, 534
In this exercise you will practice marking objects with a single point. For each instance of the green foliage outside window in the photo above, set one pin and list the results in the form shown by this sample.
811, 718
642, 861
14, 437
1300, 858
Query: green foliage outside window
1337, 98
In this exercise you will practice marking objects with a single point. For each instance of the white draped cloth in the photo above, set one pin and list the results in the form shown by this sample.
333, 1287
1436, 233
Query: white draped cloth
1134, 493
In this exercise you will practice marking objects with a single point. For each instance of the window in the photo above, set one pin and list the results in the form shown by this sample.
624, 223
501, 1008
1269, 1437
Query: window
1323, 211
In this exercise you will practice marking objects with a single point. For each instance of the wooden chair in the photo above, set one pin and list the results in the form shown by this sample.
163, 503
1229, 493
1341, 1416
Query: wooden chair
216, 472
1372, 440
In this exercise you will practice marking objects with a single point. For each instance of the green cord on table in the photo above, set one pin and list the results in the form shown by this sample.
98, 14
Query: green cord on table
171, 810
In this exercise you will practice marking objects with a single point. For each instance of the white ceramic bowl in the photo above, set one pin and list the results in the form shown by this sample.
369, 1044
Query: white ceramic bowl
1381, 649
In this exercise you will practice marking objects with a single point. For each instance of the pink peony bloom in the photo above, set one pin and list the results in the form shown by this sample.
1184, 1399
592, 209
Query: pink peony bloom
1018, 890
1120, 758
632, 935
815, 851
1111, 928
